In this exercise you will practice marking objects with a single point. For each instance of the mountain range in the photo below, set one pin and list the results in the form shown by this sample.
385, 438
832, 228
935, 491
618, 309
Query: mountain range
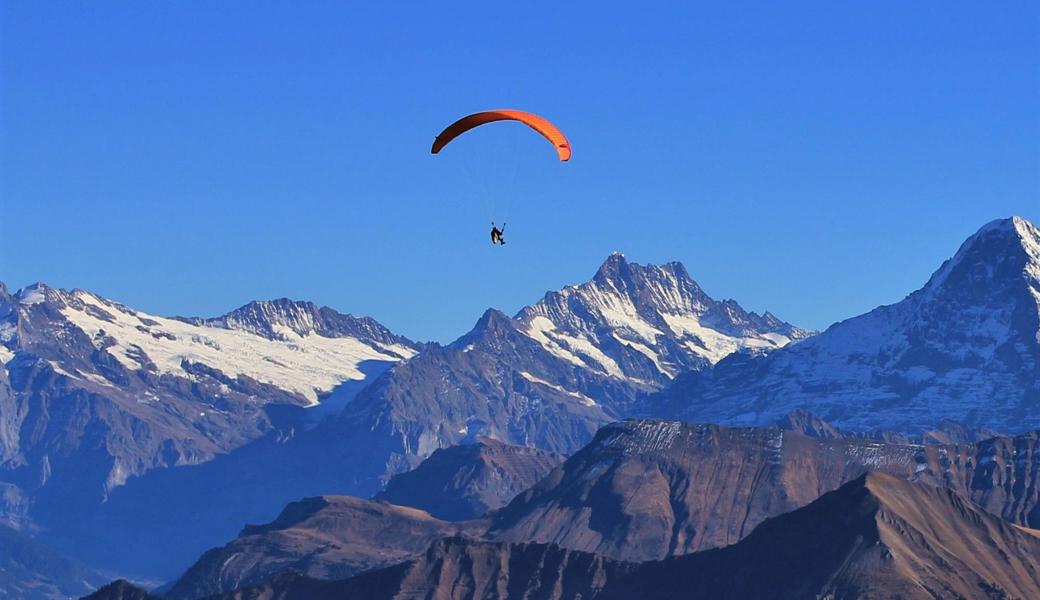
550, 377
119, 428
95, 393
550, 389
641, 490
876, 537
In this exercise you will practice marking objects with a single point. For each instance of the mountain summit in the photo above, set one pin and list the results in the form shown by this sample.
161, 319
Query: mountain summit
284, 319
965, 346
647, 322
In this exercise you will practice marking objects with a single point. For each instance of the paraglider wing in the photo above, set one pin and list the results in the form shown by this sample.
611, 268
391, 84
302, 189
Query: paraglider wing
542, 126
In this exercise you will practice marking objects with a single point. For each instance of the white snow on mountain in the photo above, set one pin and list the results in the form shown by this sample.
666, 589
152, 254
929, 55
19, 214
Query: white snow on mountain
577, 350
31, 295
304, 364
715, 345
652, 312
643, 437
559, 388
964, 346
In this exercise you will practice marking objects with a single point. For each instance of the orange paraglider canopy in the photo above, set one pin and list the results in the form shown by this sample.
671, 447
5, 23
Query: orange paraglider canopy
542, 126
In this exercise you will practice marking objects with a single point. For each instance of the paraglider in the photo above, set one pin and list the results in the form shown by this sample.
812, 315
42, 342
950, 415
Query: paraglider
541, 125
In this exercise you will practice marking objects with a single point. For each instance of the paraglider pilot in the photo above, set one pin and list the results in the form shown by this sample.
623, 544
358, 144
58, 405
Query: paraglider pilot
496, 234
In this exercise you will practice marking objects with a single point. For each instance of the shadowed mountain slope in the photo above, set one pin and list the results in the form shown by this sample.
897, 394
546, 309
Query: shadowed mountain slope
465, 482
329, 537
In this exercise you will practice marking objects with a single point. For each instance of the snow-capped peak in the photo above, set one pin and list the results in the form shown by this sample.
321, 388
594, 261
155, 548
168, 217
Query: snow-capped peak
293, 346
1004, 249
283, 319
647, 322
32, 294
263, 317
966, 345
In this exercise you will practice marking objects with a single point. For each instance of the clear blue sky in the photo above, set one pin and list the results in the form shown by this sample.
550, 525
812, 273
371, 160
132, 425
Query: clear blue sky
813, 159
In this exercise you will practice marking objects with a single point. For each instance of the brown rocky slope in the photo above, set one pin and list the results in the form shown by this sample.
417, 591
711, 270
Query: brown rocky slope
876, 537
328, 537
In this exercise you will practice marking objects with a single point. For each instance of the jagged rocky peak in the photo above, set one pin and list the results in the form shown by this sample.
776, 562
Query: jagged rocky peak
40, 293
269, 317
1001, 252
32, 294
679, 290
648, 322
984, 303
991, 285
667, 287
491, 330
285, 318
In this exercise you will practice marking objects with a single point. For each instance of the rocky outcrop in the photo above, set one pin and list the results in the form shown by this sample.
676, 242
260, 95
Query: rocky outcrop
465, 482
329, 537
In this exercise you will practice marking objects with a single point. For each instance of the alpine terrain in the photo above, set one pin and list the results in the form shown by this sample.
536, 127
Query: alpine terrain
546, 388
876, 537
551, 376
520, 455
965, 346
